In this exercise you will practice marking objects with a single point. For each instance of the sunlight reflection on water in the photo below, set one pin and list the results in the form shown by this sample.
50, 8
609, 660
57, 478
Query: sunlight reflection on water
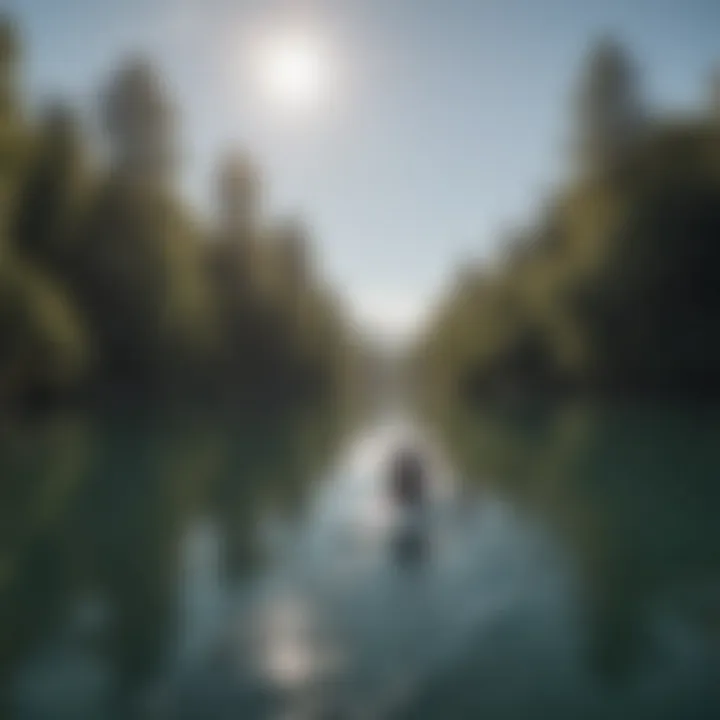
280, 593
363, 598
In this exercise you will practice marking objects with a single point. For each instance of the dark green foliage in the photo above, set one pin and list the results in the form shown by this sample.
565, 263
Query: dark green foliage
140, 123
44, 348
138, 275
53, 193
614, 290
109, 287
609, 109
9, 56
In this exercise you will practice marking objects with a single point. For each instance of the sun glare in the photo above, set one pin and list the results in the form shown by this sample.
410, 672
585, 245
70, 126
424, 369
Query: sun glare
293, 71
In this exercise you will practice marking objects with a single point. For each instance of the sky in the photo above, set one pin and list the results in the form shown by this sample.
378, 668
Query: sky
445, 126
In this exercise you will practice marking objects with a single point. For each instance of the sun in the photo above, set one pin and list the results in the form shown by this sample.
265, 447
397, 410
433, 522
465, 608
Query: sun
293, 71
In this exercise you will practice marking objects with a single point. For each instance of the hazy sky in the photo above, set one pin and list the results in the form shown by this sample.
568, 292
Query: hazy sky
447, 123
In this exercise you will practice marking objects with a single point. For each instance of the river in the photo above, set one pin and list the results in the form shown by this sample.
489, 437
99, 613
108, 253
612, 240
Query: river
566, 565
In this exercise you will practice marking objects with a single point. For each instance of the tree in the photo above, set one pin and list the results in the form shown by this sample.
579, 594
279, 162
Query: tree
609, 109
137, 266
291, 239
53, 194
239, 198
13, 133
9, 59
107, 283
139, 122
44, 348
714, 104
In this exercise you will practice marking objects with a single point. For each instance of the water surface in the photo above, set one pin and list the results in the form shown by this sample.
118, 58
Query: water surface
568, 565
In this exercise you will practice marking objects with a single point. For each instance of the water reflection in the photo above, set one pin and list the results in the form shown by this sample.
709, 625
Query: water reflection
564, 564
203, 592
410, 543
632, 492
98, 519
369, 598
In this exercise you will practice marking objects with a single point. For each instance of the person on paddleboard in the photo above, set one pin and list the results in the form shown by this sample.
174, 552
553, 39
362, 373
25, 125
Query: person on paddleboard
408, 477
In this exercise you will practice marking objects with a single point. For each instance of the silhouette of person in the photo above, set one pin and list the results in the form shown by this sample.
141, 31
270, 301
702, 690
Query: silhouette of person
408, 489
408, 481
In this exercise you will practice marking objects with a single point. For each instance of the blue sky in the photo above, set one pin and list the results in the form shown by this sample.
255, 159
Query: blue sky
449, 125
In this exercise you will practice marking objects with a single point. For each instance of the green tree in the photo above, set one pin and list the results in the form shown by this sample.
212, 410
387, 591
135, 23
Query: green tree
54, 193
13, 133
610, 112
44, 348
140, 124
138, 265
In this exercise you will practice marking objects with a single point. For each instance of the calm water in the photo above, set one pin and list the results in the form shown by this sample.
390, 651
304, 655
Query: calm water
568, 565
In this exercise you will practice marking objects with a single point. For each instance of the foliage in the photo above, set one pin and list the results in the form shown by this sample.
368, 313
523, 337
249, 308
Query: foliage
613, 290
110, 287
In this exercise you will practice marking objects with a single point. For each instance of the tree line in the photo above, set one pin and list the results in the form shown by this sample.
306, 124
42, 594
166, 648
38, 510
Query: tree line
614, 288
112, 288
